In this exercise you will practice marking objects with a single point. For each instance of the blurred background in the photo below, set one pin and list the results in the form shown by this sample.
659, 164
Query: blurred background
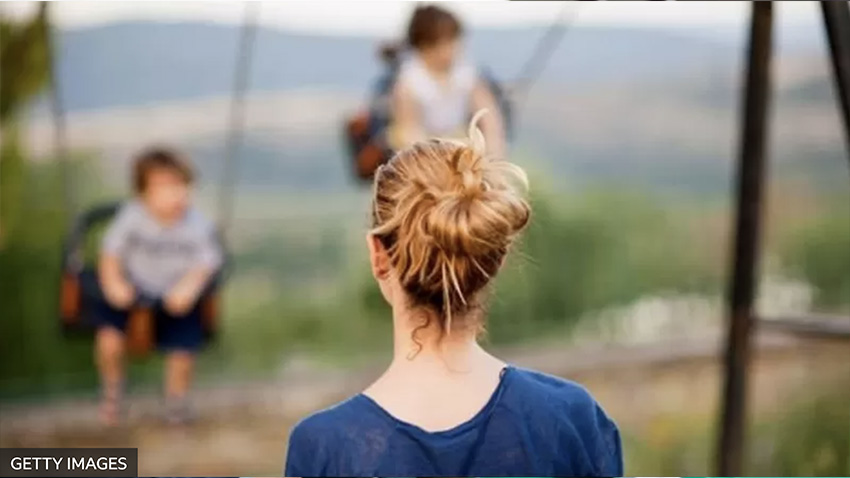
629, 133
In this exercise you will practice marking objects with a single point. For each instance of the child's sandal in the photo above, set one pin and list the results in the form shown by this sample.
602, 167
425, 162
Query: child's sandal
111, 410
178, 412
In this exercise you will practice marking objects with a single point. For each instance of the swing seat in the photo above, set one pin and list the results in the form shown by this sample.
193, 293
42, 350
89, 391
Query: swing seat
80, 292
364, 146
81, 295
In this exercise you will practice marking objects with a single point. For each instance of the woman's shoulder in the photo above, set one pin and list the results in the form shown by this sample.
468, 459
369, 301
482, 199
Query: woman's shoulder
576, 418
532, 384
327, 422
316, 439
558, 400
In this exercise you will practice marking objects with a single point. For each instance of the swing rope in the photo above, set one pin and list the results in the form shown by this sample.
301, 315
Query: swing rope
237, 117
543, 52
57, 111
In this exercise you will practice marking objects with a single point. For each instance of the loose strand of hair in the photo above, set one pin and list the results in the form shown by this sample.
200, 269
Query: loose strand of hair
446, 299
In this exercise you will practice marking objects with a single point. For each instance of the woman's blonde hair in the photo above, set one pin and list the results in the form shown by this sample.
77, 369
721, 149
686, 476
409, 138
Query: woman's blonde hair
447, 215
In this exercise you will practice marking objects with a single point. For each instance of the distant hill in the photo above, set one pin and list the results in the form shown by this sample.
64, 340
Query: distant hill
127, 64
636, 107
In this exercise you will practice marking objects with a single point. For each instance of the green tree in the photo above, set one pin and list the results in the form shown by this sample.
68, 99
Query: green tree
33, 356
25, 69
819, 253
25, 61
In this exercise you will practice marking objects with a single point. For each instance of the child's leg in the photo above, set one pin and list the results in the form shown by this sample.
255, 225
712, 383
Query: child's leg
109, 352
179, 338
109, 357
179, 365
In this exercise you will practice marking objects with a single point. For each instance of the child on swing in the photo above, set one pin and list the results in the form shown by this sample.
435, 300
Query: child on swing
437, 88
161, 249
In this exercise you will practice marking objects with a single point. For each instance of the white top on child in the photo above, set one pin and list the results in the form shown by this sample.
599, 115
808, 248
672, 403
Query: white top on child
155, 257
444, 107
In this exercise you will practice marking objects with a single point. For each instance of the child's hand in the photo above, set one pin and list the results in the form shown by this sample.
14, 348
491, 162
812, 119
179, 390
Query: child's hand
182, 297
120, 294
179, 301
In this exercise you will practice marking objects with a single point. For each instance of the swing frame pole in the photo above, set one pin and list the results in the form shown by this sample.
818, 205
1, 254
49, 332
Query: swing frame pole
836, 19
751, 173
742, 287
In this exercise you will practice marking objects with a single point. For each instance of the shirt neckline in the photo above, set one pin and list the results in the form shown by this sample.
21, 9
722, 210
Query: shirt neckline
455, 430
149, 216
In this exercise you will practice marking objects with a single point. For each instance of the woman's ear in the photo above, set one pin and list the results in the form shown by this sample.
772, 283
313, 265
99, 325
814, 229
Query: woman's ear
378, 257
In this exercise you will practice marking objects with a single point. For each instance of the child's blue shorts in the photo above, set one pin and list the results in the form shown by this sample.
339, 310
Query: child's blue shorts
184, 333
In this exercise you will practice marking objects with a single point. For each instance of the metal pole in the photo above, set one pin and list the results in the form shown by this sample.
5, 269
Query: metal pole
836, 18
57, 109
543, 51
237, 115
747, 231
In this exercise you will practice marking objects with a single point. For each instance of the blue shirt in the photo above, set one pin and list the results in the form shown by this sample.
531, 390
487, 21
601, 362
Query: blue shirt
533, 425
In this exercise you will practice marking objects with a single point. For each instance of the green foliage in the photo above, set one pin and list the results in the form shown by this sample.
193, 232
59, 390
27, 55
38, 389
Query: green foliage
304, 286
603, 249
819, 253
33, 358
24, 61
811, 438
11, 181
308, 286
672, 445
33, 355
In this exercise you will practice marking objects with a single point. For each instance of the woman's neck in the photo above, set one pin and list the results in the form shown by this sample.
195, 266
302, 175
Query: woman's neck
439, 382
431, 348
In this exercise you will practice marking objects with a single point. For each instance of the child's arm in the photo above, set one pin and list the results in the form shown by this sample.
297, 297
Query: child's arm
185, 294
406, 128
116, 288
492, 124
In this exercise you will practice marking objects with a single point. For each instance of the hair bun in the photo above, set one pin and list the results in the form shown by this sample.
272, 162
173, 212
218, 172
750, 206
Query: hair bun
447, 215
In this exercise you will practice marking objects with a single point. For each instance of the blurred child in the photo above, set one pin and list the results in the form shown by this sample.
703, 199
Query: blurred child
438, 89
161, 249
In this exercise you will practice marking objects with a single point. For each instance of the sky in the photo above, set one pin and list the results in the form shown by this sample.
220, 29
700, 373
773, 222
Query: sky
386, 17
